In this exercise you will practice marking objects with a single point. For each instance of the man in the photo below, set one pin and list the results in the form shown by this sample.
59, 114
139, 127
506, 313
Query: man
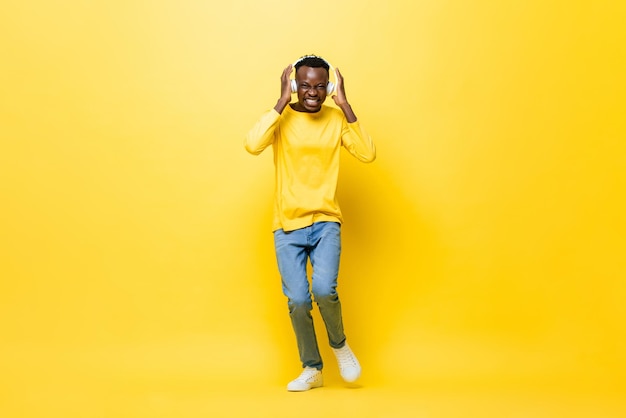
307, 137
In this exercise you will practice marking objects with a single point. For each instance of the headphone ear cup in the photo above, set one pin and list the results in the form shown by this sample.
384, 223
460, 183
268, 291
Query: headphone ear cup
294, 86
330, 87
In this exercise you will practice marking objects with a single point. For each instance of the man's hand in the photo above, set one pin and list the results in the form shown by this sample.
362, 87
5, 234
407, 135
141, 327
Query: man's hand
285, 90
340, 98
340, 90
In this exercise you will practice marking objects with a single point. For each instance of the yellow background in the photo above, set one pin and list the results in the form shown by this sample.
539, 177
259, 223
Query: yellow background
483, 271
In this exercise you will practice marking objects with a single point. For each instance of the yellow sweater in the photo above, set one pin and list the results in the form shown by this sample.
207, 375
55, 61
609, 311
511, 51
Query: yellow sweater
306, 156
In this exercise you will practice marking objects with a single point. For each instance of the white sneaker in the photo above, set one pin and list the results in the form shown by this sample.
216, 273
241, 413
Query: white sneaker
309, 378
349, 366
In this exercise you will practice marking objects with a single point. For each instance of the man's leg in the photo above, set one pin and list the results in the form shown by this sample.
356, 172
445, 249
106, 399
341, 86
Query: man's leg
325, 260
292, 253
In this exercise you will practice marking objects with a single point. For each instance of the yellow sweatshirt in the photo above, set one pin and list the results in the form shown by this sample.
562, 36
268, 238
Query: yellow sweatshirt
306, 157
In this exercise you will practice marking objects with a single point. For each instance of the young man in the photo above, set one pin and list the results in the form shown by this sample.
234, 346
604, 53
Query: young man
307, 137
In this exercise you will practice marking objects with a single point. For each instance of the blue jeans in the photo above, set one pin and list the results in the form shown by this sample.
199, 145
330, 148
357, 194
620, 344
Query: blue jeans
320, 243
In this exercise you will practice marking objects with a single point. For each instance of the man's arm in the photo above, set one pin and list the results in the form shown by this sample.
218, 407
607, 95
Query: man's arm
356, 140
262, 134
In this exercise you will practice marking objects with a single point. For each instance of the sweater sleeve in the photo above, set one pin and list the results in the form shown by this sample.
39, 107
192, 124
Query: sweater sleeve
262, 133
358, 142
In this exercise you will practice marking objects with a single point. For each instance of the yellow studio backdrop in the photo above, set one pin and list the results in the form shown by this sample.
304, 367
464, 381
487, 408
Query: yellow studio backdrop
483, 271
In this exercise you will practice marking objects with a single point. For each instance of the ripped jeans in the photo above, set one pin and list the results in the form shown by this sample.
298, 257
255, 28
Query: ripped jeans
321, 243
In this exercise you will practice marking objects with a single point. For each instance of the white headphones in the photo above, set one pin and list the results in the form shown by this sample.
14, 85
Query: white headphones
330, 87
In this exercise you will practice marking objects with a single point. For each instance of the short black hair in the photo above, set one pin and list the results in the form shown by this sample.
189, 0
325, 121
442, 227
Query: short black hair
313, 61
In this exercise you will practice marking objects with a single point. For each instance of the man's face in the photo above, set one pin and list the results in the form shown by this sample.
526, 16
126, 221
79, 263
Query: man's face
311, 88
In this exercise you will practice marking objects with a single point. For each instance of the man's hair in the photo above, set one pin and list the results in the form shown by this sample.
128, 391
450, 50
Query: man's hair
312, 61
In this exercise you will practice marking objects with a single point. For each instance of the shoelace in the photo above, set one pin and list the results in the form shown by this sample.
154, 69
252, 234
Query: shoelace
306, 375
345, 357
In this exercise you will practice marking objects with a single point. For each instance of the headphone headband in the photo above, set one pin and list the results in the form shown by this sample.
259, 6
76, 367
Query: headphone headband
312, 56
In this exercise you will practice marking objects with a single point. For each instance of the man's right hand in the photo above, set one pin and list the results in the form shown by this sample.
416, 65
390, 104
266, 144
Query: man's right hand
285, 90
